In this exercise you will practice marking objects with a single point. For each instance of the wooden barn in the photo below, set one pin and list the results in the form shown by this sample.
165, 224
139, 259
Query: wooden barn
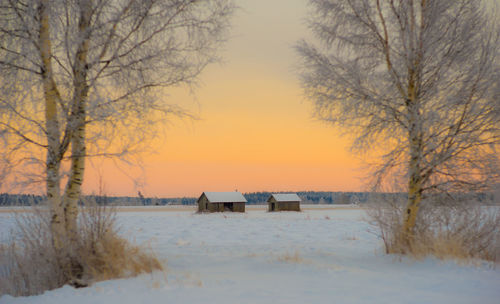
221, 201
284, 202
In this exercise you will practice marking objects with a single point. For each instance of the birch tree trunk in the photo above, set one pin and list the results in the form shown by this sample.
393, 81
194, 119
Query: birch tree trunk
414, 172
415, 121
77, 123
53, 161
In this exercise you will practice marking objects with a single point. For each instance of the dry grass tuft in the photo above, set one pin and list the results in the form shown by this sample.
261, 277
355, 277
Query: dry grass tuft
460, 230
104, 254
30, 265
290, 258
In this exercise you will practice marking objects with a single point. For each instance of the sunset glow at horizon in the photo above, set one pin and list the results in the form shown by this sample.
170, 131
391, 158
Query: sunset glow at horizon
255, 130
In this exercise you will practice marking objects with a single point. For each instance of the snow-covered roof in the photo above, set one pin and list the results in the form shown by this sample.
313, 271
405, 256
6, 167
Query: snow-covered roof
225, 197
286, 197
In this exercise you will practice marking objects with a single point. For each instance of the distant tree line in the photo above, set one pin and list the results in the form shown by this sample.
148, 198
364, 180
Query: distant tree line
253, 198
20, 199
314, 197
31, 199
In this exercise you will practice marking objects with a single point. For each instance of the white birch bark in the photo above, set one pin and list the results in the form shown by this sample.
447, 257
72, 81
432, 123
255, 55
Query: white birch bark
52, 128
78, 116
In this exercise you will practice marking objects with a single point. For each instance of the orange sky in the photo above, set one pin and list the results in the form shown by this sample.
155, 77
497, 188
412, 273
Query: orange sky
255, 132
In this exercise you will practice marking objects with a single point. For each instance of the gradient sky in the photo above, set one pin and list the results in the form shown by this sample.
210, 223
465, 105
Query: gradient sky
256, 131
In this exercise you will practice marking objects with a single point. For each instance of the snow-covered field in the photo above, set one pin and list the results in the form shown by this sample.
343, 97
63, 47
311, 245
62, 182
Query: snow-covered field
320, 255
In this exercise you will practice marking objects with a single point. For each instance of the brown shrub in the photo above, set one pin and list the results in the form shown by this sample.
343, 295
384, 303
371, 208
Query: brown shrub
30, 265
446, 229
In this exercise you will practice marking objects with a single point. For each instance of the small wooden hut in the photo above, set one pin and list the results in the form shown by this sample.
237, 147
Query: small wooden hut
221, 201
284, 202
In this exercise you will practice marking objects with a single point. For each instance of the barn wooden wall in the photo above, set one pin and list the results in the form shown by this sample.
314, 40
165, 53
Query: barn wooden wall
239, 207
218, 207
284, 206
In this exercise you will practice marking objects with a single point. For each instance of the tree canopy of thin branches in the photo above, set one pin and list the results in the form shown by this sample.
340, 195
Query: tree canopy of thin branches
83, 78
417, 81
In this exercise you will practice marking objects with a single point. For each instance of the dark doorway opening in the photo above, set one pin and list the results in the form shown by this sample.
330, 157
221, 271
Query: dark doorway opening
228, 207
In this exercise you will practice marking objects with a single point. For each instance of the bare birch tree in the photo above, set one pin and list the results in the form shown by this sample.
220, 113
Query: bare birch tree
82, 78
417, 81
